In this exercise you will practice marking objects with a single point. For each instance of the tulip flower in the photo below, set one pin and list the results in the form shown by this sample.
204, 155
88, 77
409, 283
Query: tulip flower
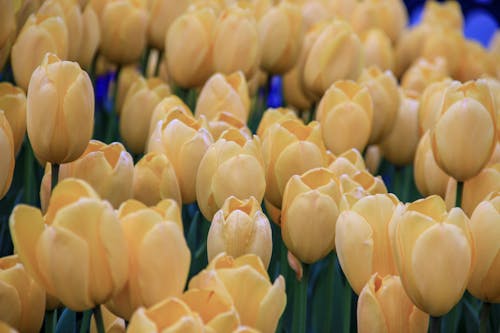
293, 90
362, 239
272, 116
409, 47
424, 72
383, 306
162, 109
8, 159
127, 77
39, 35
13, 103
184, 141
238, 228
485, 229
155, 180
91, 37
135, 117
7, 29
232, 166
345, 113
23, 300
373, 158
444, 43
430, 103
443, 14
60, 110
162, 14
112, 324
464, 136
348, 163
431, 245
356, 186
476, 189
224, 121
378, 49
79, 234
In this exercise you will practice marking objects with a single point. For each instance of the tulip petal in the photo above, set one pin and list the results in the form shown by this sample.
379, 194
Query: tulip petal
369, 313
272, 307
10, 306
140, 323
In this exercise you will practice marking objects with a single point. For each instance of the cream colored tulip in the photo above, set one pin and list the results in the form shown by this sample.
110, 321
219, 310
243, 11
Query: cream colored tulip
378, 49
273, 116
477, 188
444, 43
475, 63
430, 103
127, 77
443, 14
162, 109
423, 72
348, 163
8, 29
8, 160
162, 14
13, 103
112, 323
91, 37
293, 90
224, 121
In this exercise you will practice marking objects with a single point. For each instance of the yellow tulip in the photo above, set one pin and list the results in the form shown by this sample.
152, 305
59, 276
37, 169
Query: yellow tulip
39, 35
155, 180
280, 35
430, 103
8, 29
383, 306
309, 214
238, 228
430, 245
23, 300
170, 315
423, 72
447, 14
362, 239
112, 324
236, 42
25, 9
378, 49
293, 90
162, 14
464, 136
79, 234
345, 113
373, 157
290, 148
348, 163
224, 121
272, 116
190, 64
444, 43
314, 11
262, 307
166, 106
273, 212
13, 103
91, 37
409, 47
158, 256
60, 110
336, 54
135, 117
8, 160
224, 93
123, 30
494, 86
384, 91
356, 186
475, 62
126, 79
400, 145
477, 188
485, 228
184, 141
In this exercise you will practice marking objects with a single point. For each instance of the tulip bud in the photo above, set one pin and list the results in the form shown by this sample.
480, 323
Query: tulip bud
494, 86
77, 251
184, 141
400, 145
112, 324
475, 62
290, 148
336, 54
373, 157
224, 121
423, 72
345, 113
238, 228
135, 118
225, 171
362, 239
190, 64
273, 116
236, 42
293, 90
310, 235
7, 29
409, 47
430, 245
91, 37
126, 79
60, 110
447, 14
39, 35
460, 149
158, 255
162, 14
167, 104
348, 163
155, 180
477, 188
314, 11
485, 229
13, 103
224, 93
383, 306
8, 159
430, 103
123, 30
444, 43
378, 49
280, 31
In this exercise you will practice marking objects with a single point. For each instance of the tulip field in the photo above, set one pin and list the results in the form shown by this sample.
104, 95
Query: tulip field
241, 166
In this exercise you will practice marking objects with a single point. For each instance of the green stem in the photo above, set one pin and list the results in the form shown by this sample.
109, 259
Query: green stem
347, 300
299, 324
158, 63
84, 328
54, 176
98, 319
435, 324
50, 321
406, 184
460, 190
329, 294
485, 316
29, 172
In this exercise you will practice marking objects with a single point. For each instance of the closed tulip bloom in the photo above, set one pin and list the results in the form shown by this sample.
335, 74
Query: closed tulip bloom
475, 63
345, 113
447, 14
263, 306
430, 103
158, 256
348, 163
224, 121
7, 29
238, 228
309, 214
135, 117
162, 14
126, 79
429, 177
464, 136
444, 43
384, 307
224, 93
60, 110
424, 72
293, 89
91, 37
400, 145
378, 49
162, 109
280, 30
409, 47
8, 160
362, 239
336, 54
23, 300
430, 245
290, 148
373, 157
184, 141
384, 91
477, 188
314, 11
155, 180
357, 186
494, 86
190, 64
13, 103
485, 228
79, 234
272, 116
226, 170
112, 324
236, 43
39, 35
123, 30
